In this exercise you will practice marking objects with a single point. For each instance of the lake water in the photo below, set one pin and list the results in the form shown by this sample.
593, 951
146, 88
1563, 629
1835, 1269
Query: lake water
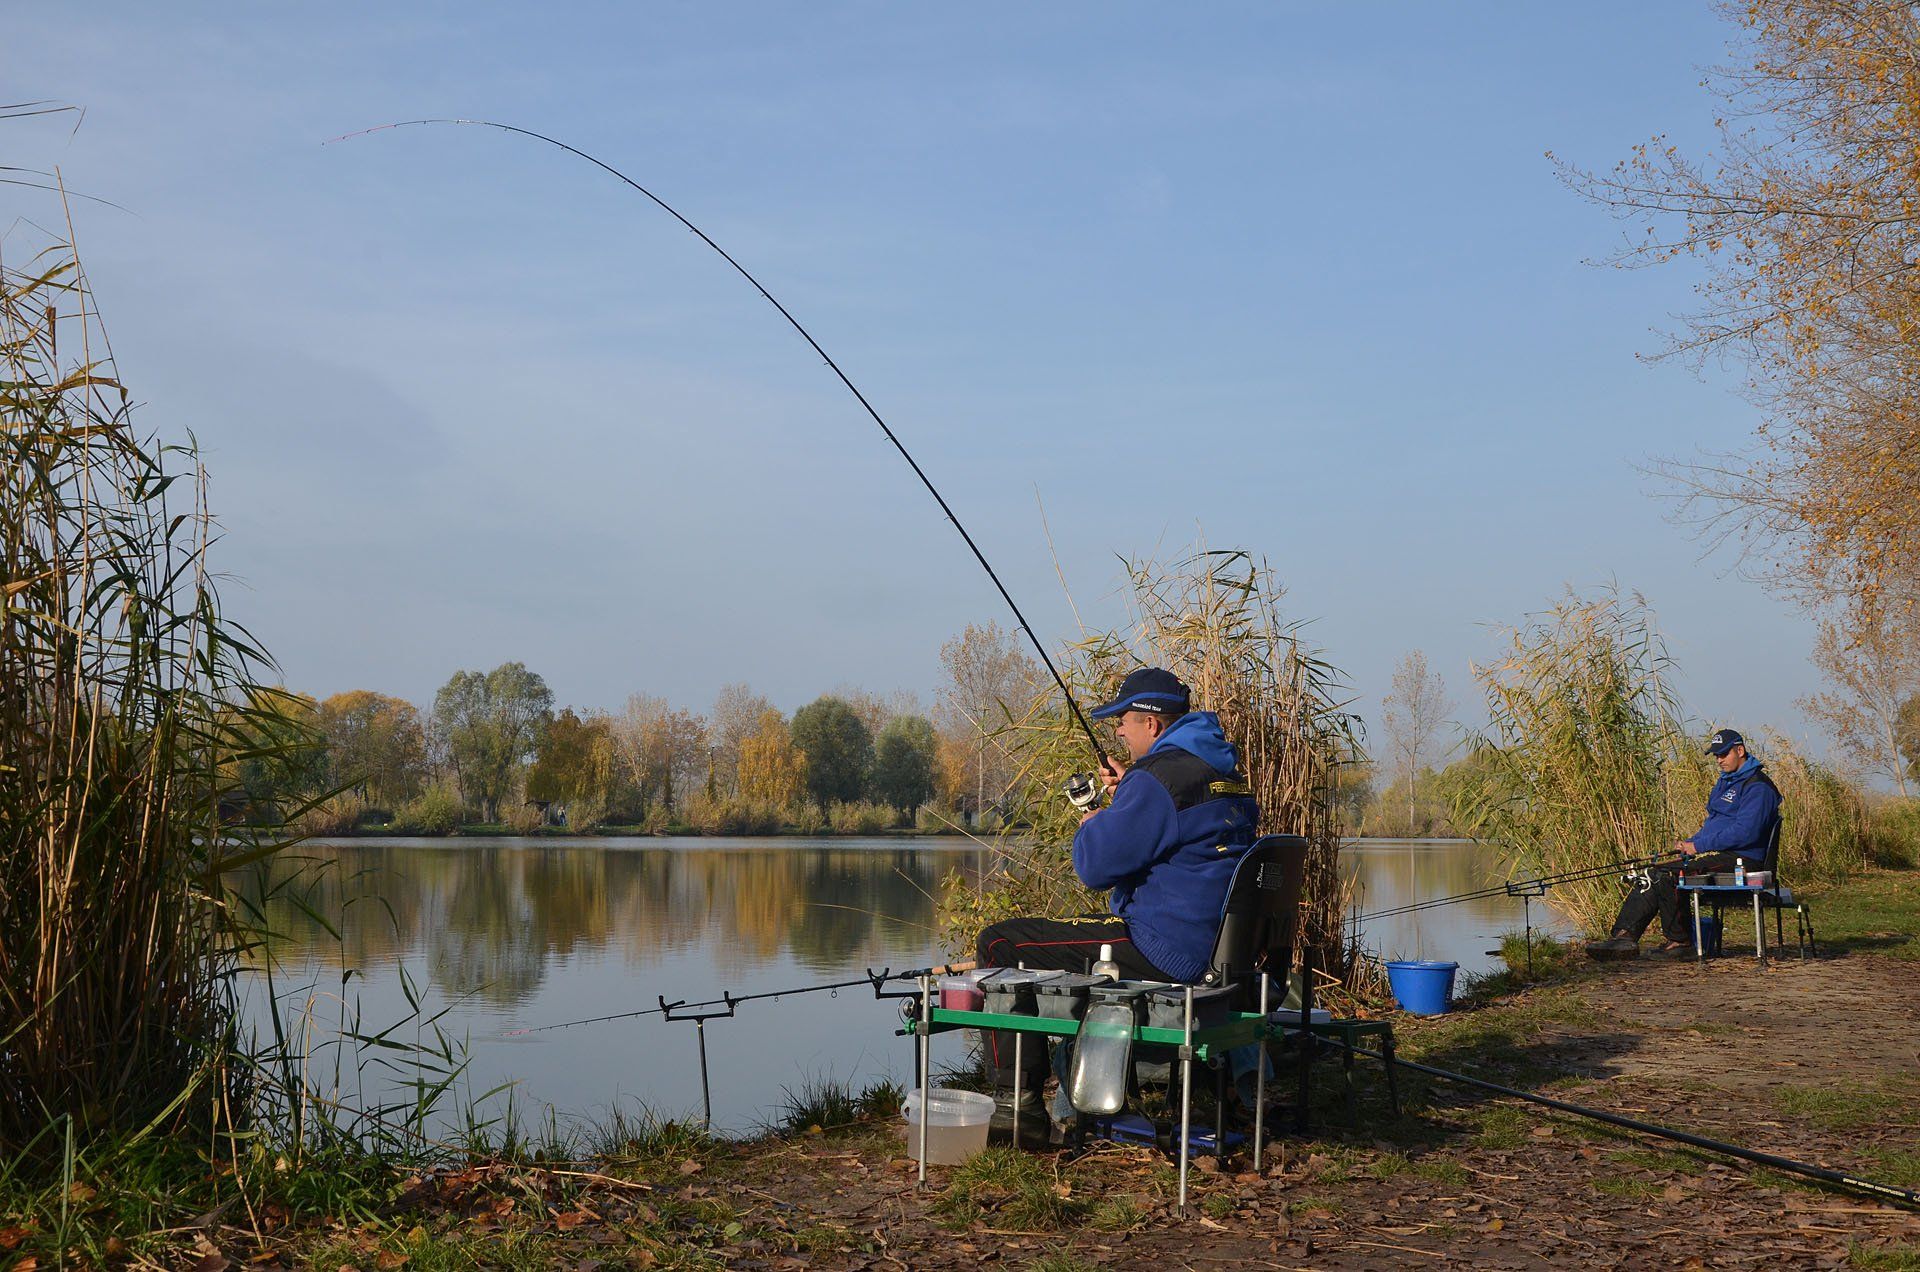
496, 935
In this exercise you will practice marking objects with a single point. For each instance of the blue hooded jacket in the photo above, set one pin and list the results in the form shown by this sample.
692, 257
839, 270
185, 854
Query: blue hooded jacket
1740, 809
1181, 819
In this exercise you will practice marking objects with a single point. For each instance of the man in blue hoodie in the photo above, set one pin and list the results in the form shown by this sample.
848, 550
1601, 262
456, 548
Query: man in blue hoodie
1741, 811
1181, 818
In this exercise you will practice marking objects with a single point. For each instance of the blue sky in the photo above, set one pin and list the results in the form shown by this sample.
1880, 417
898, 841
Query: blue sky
1295, 278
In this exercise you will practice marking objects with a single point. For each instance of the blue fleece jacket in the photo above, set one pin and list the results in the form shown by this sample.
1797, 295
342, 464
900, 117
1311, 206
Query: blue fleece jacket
1740, 809
1168, 843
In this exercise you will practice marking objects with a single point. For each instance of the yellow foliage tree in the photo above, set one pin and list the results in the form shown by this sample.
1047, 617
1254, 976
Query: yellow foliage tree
772, 769
1808, 221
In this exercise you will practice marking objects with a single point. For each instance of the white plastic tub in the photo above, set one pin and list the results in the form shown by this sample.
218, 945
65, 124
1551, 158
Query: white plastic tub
956, 1124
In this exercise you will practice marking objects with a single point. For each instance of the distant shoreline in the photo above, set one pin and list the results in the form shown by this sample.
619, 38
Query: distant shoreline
496, 831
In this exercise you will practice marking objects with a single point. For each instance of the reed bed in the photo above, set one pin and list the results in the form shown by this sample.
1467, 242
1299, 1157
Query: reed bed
1584, 760
1214, 620
125, 694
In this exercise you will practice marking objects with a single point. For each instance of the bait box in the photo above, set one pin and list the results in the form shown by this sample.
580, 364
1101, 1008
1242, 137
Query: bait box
1167, 1008
1010, 992
1129, 994
1064, 997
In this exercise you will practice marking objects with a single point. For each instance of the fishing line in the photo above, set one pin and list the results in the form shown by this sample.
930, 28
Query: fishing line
670, 210
1900, 1196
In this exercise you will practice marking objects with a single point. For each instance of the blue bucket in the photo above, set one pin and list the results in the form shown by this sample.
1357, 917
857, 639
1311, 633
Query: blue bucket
1422, 987
1710, 934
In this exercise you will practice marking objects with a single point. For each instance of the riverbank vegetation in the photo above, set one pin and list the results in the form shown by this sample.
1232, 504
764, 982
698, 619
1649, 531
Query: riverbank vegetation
119, 676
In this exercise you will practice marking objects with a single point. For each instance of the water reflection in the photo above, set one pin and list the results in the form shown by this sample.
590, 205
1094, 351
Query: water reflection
496, 919
1388, 873
507, 934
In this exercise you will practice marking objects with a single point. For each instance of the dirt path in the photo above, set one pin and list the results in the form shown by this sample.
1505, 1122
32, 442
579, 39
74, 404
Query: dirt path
1819, 1062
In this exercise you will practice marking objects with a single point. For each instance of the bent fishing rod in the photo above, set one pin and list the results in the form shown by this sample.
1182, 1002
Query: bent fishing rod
1073, 705
1531, 887
1888, 1192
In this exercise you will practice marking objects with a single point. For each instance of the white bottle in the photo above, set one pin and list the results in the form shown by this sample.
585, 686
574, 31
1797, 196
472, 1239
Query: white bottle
1739, 872
1106, 966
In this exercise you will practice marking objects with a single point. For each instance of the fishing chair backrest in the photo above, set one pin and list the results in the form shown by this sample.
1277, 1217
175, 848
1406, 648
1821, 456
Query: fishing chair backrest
1261, 916
1770, 859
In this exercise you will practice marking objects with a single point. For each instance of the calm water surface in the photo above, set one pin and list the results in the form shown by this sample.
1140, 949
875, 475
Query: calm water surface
503, 934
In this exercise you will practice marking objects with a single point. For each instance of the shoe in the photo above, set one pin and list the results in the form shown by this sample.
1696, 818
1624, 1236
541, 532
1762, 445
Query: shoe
1673, 949
1614, 947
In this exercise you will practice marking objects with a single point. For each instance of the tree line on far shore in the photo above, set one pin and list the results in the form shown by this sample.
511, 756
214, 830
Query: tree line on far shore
492, 751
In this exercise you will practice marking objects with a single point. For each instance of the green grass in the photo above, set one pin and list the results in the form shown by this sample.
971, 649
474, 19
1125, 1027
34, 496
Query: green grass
1115, 1214
509, 1250
647, 1145
1623, 1186
1897, 1166
1312, 1202
1901, 1258
1013, 1188
1440, 1171
1877, 911
1061, 1261
1841, 1106
1657, 1159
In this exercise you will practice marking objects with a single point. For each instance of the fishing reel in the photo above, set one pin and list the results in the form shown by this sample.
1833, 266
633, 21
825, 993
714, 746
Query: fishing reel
1084, 790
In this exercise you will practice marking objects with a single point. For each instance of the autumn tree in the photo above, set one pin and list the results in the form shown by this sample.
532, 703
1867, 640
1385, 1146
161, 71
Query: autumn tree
990, 679
876, 710
661, 748
490, 726
1872, 664
903, 763
737, 711
771, 771
1908, 736
1807, 221
375, 745
1411, 715
838, 748
577, 766
274, 753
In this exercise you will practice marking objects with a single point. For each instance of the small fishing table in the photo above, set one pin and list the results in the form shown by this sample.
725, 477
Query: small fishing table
1720, 893
1189, 1045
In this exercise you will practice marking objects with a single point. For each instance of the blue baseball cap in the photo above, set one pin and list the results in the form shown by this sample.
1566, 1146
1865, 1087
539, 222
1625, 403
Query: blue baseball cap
1148, 689
1723, 741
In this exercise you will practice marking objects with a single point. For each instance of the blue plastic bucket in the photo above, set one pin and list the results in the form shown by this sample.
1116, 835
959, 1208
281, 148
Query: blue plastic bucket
1422, 987
1710, 934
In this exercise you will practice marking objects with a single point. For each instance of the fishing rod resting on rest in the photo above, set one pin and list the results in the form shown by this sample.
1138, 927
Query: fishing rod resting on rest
699, 1013
1527, 890
1099, 752
1887, 1192
665, 1010
1531, 887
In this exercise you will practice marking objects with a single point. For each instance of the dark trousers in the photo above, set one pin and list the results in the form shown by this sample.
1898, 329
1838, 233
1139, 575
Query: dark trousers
1066, 945
1656, 894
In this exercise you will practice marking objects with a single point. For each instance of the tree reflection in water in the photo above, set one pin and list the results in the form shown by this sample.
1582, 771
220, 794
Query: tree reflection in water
495, 918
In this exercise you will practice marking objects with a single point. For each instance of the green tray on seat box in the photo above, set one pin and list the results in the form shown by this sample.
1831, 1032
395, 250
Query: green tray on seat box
1239, 1029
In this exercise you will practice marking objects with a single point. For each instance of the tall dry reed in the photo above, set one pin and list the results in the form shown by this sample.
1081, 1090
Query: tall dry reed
1214, 620
1584, 761
122, 688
